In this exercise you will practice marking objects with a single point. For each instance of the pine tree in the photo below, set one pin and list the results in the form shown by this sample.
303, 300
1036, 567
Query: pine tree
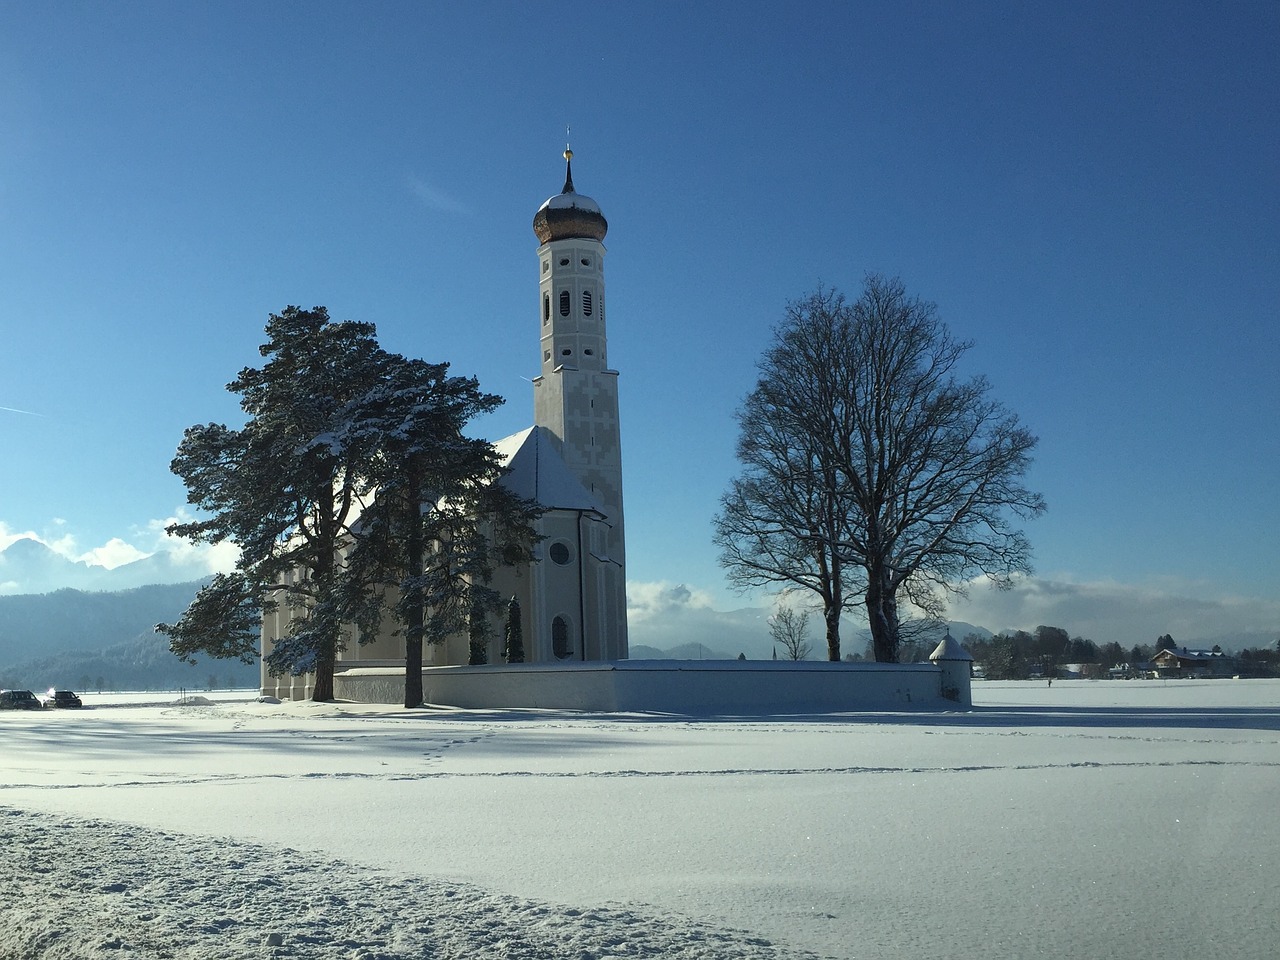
352, 475
513, 634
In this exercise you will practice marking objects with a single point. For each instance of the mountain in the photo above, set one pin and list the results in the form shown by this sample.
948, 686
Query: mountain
28, 566
35, 625
75, 637
142, 663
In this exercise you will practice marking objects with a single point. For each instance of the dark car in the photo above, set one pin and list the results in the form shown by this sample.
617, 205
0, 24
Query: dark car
62, 698
18, 700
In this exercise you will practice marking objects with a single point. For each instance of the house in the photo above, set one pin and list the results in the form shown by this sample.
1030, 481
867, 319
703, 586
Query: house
1175, 662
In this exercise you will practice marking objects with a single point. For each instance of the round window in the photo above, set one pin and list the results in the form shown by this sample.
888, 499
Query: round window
560, 553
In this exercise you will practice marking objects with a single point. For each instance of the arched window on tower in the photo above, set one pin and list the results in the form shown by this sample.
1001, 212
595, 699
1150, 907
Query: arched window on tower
586, 303
546, 307
564, 303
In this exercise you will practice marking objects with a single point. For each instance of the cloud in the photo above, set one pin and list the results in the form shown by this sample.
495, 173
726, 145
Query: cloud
182, 559
114, 553
435, 198
9, 535
1126, 613
648, 600
671, 615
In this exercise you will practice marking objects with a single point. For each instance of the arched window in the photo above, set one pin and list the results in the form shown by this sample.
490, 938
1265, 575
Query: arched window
564, 303
586, 303
560, 645
546, 307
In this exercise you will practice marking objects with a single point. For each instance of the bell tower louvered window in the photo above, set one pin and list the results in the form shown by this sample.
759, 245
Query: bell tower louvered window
564, 303
586, 303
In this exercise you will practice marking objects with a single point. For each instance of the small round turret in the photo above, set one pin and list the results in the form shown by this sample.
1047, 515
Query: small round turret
569, 215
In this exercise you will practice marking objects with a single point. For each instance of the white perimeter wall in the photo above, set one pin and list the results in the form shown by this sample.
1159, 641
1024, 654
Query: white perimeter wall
666, 686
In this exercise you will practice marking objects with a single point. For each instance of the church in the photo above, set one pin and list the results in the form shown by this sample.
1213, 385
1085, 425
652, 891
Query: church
572, 597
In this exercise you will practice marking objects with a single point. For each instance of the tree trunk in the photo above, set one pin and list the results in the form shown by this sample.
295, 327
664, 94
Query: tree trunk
322, 572
415, 612
413, 669
882, 616
323, 689
831, 614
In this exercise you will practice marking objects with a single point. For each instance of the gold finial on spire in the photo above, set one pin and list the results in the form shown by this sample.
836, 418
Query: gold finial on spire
568, 164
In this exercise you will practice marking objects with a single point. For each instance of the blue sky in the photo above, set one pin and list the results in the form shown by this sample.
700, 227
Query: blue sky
1088, 193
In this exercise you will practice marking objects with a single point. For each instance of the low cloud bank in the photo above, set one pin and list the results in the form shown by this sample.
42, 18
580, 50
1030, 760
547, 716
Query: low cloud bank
1106, 611
671, 615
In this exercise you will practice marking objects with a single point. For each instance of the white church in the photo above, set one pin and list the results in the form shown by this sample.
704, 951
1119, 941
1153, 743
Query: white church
572, 597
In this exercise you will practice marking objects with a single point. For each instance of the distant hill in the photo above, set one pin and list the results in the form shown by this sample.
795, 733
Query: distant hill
43, 624
143, 663
81, 639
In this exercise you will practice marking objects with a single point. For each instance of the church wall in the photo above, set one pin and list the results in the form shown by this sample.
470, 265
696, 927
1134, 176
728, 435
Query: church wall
691, 687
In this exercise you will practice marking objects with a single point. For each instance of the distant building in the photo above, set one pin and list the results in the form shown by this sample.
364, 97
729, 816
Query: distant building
1182, 662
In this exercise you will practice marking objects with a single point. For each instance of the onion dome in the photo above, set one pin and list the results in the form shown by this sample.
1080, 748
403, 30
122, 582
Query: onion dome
569, 215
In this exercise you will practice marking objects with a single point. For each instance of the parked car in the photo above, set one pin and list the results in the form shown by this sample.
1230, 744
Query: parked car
62, 698
18, 700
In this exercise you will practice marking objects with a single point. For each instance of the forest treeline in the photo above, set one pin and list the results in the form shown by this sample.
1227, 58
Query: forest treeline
90, 640
1019, 655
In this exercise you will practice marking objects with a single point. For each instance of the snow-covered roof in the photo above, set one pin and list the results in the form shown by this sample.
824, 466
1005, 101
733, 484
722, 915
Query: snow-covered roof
1184, 654
563, 201
536, 471
950, 649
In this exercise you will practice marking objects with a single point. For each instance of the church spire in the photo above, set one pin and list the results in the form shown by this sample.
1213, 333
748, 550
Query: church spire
569, 214
568, 170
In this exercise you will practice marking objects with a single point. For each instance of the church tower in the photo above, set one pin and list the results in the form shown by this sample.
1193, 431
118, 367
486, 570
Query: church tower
576, 399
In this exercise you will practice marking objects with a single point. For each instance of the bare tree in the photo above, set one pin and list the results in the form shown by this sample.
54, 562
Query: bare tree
790, 629
870, 468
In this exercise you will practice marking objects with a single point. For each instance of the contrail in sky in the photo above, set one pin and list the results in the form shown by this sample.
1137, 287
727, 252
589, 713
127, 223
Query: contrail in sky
24, 412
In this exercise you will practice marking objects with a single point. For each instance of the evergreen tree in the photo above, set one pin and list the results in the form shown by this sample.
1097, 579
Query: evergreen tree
440, 521
513, 634
282, 490
350, 476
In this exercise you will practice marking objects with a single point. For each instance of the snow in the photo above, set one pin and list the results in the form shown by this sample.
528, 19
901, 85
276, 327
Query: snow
537, 471
564, 201
1093, 818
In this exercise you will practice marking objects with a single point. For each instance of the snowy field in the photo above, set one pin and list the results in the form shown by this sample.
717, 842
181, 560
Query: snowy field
1092, 819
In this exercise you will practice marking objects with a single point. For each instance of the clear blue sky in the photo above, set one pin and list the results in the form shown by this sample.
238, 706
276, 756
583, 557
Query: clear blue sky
1088, 193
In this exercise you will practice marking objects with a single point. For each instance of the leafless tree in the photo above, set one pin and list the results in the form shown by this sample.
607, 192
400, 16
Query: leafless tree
790, 630
871, 471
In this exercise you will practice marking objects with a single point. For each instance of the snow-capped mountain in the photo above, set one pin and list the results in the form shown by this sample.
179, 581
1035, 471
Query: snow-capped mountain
29, 566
